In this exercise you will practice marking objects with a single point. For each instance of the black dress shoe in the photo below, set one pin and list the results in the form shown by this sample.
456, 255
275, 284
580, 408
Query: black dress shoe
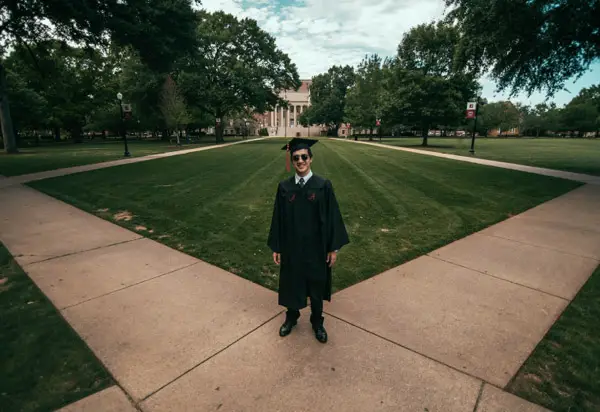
286, 328
321, 334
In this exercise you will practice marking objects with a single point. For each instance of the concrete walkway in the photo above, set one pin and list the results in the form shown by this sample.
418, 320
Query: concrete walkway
15, 180
579, 177
444, 332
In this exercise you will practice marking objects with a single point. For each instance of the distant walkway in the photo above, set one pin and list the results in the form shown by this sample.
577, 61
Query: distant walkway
579, 177
9, 181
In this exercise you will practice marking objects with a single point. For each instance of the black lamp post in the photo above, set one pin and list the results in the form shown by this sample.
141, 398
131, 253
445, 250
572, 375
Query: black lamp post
120, 99
474, 127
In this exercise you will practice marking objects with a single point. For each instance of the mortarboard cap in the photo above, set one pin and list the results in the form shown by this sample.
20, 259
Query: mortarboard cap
297, 143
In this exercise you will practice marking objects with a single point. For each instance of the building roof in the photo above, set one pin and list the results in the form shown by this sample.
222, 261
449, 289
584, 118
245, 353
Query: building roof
305, 85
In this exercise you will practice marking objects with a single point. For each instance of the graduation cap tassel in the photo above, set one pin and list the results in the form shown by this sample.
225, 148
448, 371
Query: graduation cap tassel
287, 158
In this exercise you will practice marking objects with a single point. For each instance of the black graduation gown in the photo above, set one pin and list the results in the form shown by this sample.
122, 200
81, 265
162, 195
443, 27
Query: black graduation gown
306, 225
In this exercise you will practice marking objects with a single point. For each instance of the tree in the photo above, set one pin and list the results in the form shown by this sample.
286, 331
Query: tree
71, 80
541, 118
581, 116
173, 108
236, 67
527, 45
431, 50
532, 120
34, 22
423, 101
30, 108
425, 87
364, 99
500, 115
328, 96
587, 102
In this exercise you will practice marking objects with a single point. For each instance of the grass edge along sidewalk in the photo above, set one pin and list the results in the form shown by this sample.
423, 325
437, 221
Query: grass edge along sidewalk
396, 205
66, 155
44, 364
563, 372
567, 155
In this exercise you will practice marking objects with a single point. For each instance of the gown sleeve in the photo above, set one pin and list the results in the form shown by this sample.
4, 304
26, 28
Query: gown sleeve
274, 233
337, 236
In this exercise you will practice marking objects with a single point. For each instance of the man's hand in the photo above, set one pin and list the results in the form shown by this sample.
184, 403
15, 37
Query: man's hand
277, 258
331, 258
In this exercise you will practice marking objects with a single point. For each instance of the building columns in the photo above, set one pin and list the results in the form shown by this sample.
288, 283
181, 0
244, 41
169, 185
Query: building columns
280, 110
295, 115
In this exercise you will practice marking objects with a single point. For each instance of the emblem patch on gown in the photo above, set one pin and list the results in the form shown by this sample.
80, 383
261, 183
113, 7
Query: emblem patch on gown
293, 197
312, 196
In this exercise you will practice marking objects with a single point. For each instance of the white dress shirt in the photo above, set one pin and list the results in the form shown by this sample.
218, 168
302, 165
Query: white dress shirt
308, 176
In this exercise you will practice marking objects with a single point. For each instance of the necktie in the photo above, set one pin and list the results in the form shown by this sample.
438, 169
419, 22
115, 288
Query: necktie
301, 182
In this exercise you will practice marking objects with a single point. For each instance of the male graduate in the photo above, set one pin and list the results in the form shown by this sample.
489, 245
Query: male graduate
306, 233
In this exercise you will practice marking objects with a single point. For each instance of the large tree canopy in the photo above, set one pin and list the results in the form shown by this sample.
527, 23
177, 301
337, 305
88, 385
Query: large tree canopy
363, 102
160, 30
328, 97
425, 87
236, 67
71, 81
430, 49
528, 45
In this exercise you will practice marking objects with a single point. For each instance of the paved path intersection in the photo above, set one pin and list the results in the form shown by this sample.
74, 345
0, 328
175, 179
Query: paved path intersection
444, 332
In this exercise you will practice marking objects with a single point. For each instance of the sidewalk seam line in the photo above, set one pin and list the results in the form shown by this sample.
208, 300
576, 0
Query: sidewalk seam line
81, 251
132, 285
539, 246
405, 347
479, 396
209, 357
499, 278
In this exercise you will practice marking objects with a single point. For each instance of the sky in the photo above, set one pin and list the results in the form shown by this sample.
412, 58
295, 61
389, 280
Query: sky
318, 34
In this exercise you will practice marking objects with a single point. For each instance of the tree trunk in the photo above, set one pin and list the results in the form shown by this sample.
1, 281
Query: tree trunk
56, 134
10, 143
219, 128
164, 134
425, 133
537, 132
76, 135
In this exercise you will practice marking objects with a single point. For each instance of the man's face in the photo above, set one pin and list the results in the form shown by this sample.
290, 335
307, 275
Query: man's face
301, 161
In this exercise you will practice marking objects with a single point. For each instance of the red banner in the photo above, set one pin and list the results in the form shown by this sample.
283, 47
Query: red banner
470, 114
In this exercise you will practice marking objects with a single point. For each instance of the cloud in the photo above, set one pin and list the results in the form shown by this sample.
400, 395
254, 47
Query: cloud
317, 34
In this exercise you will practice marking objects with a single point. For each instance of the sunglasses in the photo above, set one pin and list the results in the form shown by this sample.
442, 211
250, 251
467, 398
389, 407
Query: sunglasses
303, 156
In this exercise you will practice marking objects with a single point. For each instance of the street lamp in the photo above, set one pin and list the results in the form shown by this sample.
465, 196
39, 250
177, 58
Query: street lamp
246, 129
120, 99
472, 150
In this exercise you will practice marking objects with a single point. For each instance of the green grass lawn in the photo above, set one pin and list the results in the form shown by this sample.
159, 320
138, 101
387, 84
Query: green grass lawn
563, 373
44, 365
573, 155
60, 155
217, 205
